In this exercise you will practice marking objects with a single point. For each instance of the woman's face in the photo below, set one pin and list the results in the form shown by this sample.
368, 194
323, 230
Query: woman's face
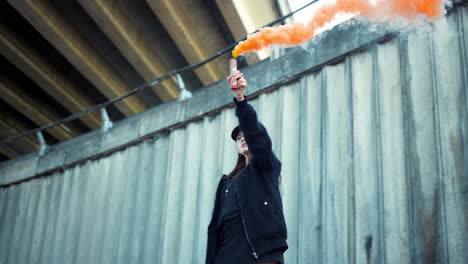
242, 147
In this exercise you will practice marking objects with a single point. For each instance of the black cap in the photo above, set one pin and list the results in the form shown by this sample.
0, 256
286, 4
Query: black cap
235, 132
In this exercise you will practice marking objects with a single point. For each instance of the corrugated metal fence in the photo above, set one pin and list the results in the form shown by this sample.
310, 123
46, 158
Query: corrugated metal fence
374, 151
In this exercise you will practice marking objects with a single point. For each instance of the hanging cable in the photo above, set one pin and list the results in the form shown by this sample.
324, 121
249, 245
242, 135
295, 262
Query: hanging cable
148, 84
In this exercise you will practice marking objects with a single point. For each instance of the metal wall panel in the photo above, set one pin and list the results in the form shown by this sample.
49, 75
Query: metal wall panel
373, 149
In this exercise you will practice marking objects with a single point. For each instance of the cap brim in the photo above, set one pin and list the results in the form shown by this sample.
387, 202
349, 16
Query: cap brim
235, 132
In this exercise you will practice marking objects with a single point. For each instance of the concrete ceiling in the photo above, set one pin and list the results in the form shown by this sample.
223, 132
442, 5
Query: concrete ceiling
61, 57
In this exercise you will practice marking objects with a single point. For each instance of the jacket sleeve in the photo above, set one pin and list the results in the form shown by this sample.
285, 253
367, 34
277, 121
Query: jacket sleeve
255, 134
212, 245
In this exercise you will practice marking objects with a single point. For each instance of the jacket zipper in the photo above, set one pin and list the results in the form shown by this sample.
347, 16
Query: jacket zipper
243, 222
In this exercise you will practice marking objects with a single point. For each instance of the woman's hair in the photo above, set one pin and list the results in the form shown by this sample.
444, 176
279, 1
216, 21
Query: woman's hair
237, 169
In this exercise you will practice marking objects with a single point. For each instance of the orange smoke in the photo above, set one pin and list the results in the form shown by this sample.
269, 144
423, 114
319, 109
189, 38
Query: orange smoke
300, 32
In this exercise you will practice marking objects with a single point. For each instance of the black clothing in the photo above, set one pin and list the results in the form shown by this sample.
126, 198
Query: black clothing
229, 201
258, 193
235, 132
234, 247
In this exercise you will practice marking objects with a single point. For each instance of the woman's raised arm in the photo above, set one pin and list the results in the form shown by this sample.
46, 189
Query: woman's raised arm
255, 134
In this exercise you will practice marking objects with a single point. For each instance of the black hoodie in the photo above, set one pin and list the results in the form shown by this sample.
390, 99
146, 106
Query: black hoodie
258, 192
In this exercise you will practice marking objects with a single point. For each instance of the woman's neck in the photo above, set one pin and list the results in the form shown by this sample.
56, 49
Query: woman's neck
248, 157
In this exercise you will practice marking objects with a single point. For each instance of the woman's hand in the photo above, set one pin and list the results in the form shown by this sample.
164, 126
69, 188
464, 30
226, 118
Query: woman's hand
241, 85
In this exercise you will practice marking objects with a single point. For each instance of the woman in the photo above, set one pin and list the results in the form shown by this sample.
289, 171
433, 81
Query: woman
247, 225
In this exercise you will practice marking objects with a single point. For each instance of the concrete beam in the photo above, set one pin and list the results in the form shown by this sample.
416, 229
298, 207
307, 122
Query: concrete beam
10, 126
192, 28
131, 39
7, 152
46, 76
15, 150
64, 37
284, 8
244, 17
238, 29
36, 111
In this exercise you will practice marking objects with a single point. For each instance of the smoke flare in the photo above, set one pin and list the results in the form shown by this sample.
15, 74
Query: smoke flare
299, 32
